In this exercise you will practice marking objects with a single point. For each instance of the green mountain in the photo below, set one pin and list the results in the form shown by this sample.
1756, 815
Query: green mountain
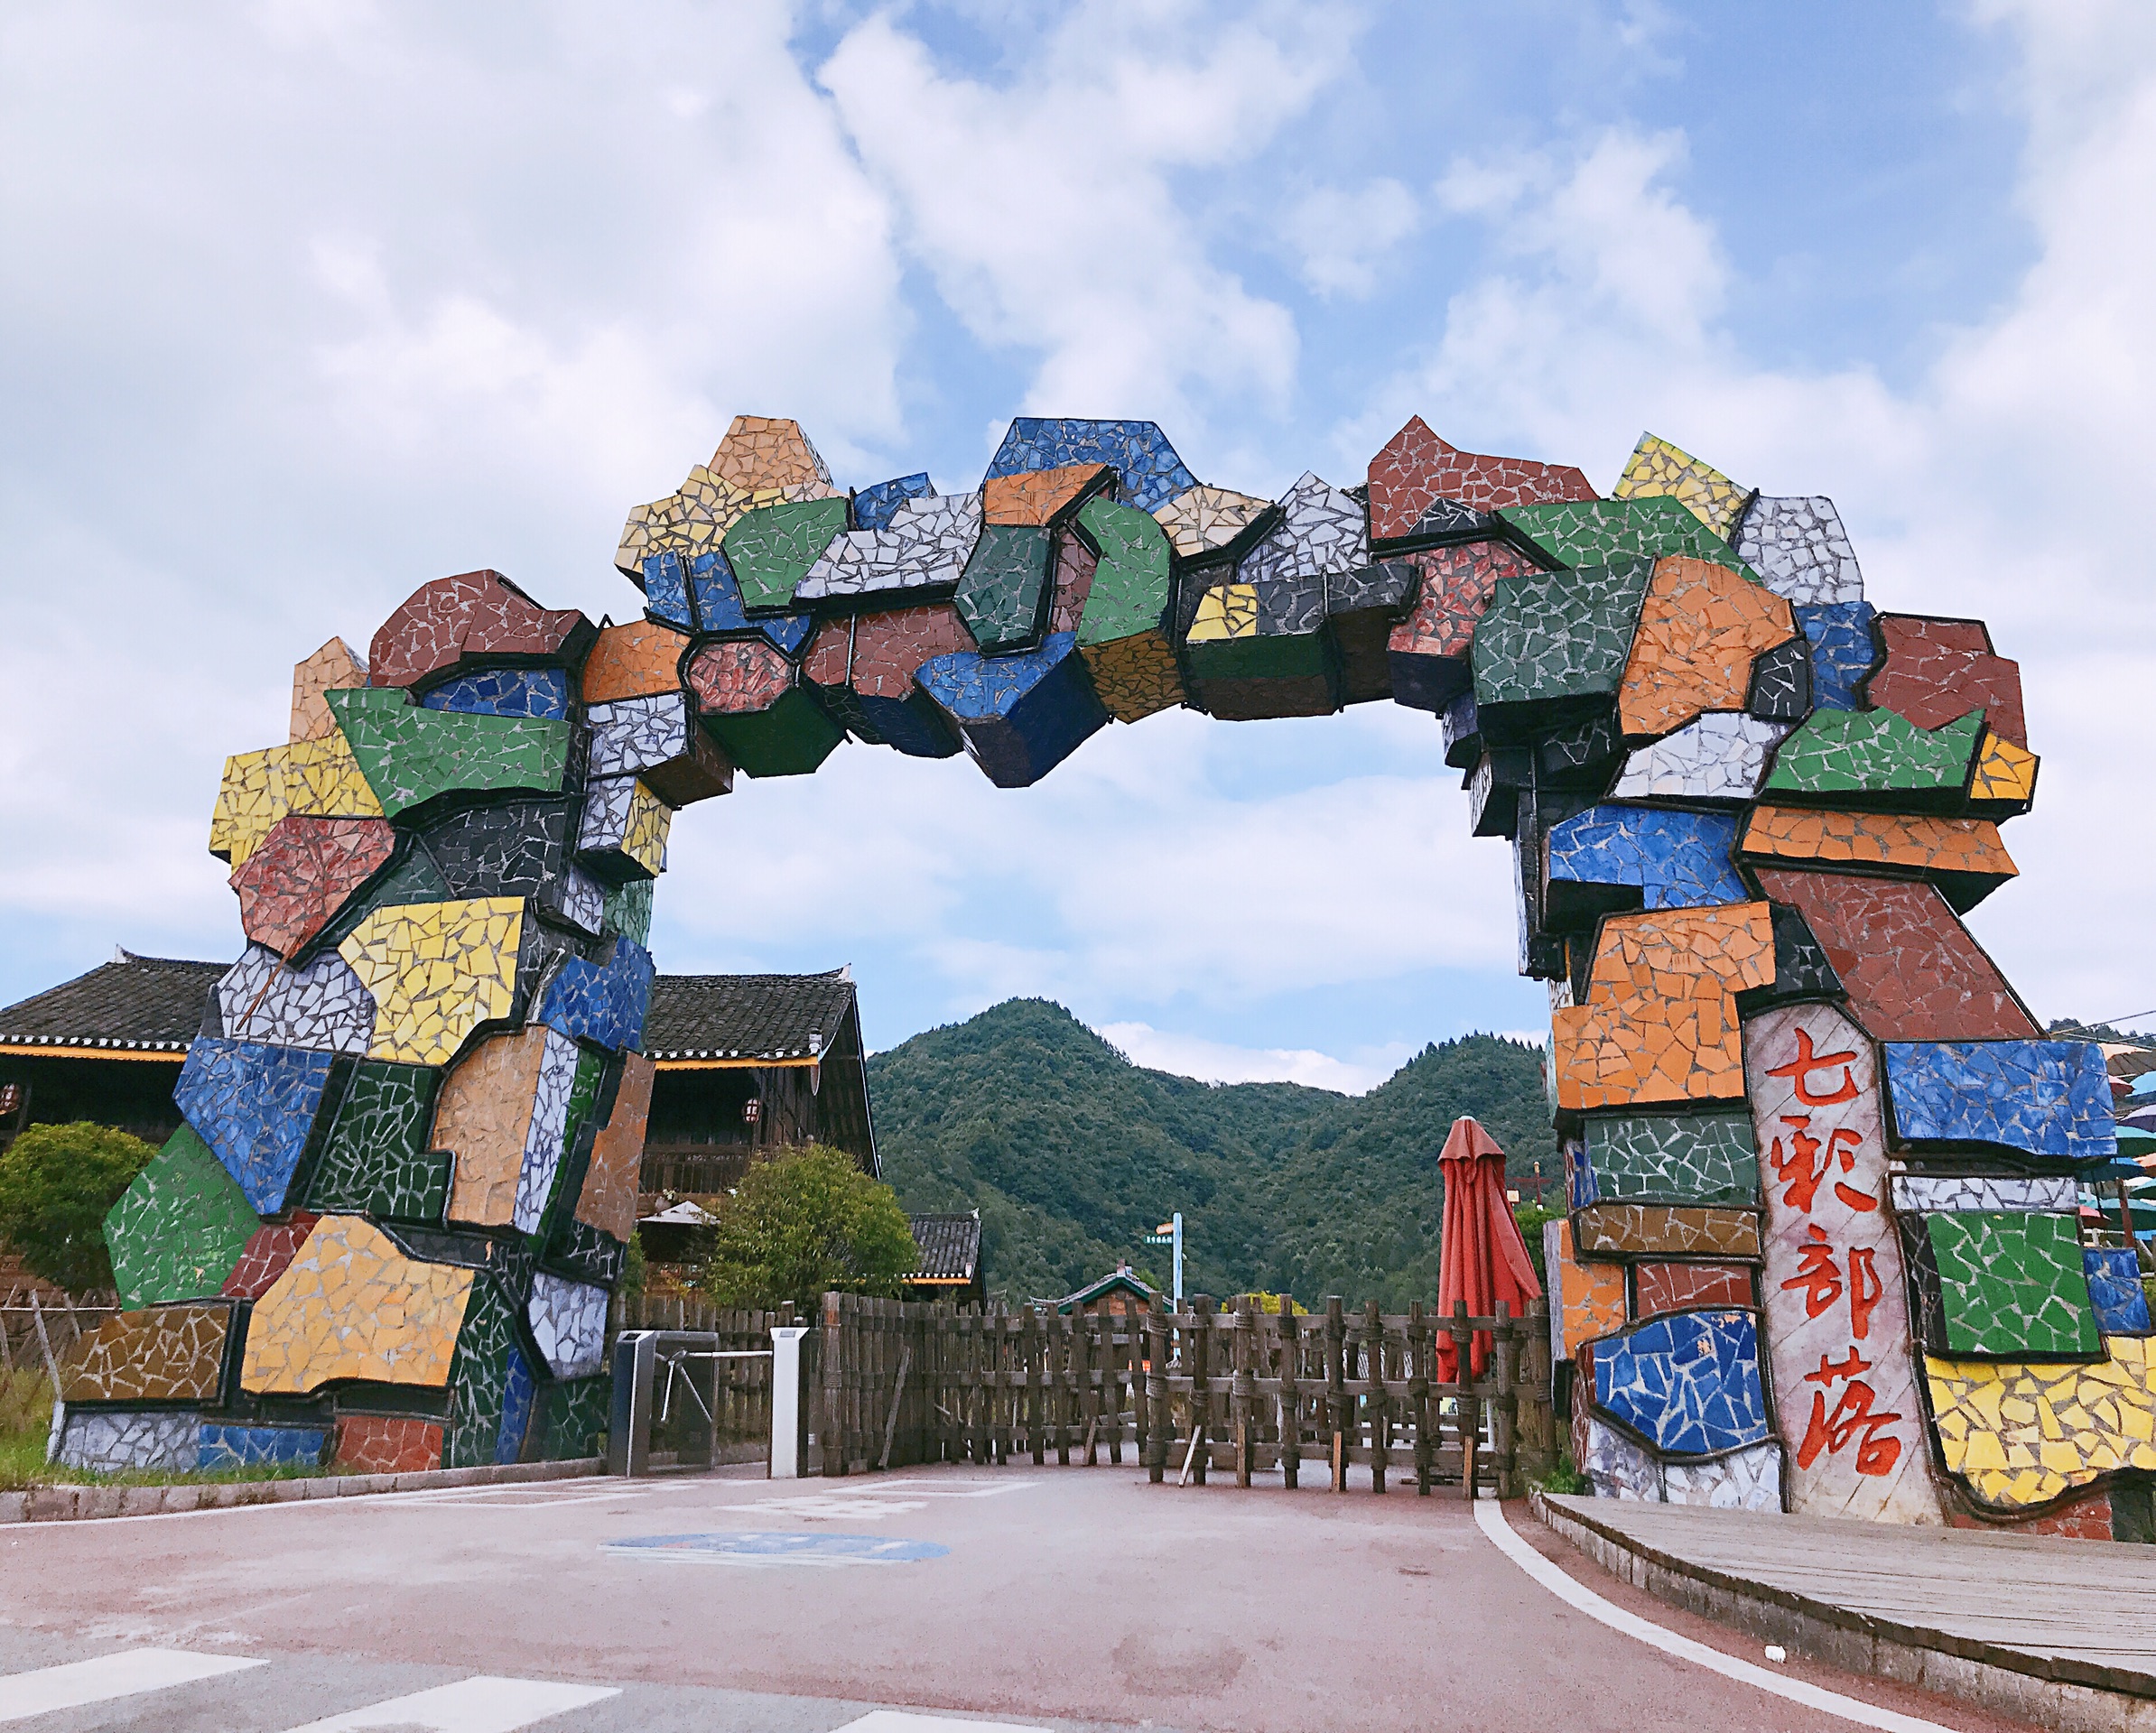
1070, 1152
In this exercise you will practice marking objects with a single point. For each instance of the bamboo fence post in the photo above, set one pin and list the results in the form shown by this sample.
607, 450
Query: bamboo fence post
834, 1397
1201, 1387
1420, 1338
1243, 1394
1380, 1398
1336, 1396
1153, 1410
1502, 1406
1085, 1406
1467, 1406
1291, 1401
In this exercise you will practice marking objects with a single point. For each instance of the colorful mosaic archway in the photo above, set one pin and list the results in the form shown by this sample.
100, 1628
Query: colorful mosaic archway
1823, 1248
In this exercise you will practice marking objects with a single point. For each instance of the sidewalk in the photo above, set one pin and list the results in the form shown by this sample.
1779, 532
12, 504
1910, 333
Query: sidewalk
2060, 1632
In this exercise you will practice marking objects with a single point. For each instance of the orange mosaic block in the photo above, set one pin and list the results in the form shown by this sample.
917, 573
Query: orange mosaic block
765, 451
1699, 629
1590, 1295
1040, 497
609, 1199
351, 1305
333, 668
161, 1354
485, 1118
2005, 773
1660, 1021
387, 1444
638, 660
1877, 840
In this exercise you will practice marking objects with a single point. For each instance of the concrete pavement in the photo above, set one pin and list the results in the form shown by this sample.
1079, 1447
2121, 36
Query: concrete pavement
1067, 1598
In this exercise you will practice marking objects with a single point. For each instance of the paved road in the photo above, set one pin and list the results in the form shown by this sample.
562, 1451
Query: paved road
1068, 1597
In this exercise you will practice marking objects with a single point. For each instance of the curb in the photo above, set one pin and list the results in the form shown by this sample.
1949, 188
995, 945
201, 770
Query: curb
2072, 1697
67, 1504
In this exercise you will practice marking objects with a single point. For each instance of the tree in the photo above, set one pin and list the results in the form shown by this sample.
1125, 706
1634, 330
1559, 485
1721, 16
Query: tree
804, 1223
57, 1183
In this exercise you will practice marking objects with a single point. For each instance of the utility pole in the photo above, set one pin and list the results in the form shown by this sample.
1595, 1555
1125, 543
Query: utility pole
1170, 1233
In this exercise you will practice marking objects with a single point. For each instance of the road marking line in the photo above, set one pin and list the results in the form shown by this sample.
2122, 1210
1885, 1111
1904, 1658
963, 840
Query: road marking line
24, 1694
1490, 1517
477, 1705
899, 1721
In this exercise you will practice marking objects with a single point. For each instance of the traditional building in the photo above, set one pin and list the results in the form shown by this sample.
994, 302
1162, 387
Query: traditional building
950, 1264
1119, 1293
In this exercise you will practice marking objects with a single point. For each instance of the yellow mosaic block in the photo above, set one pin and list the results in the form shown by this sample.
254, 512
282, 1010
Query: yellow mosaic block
318, 778
437, 971
1201, 519
1658, 469
645, 839
333, 668
2004, 772
1225, 611
1134, 676
2023, 1432
351, 1305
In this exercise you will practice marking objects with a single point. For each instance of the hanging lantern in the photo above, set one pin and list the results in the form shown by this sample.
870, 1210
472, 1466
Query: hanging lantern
752, 1109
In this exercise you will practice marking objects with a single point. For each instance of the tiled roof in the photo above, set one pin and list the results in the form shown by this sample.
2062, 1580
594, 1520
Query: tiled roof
1114, 1279
747, 1016
154, 1003
950, 1247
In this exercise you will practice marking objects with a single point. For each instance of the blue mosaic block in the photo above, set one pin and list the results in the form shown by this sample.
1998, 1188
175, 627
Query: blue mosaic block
246, 1446
716, 594
919, 730
1020, 716
1842, 651
2040, 1098
1582, 1188
2115, 1289
666, 590
518, 1393
540, 692
873, 506
606, 1006
1677, 859
1688, 1383
1145, 463
255, 1106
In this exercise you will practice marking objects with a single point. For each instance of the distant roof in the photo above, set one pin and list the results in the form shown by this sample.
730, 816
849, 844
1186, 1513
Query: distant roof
153, 1004
950, 1247
1107, 1284
747, 1016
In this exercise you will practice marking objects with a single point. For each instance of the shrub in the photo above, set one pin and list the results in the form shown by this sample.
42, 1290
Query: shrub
804, 1223
56, 1184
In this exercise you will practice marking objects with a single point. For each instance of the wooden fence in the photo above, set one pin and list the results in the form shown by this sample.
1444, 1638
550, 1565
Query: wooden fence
892, 1383
737, 1392
35, 1323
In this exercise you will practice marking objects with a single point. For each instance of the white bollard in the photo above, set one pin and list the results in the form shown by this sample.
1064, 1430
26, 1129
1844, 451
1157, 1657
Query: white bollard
786, 1401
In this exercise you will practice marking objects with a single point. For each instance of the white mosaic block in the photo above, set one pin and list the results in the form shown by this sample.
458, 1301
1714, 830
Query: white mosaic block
1799, 548
583, 901
1200, 519
543, 1140
322, 1007
108, 1440
608, 803
1321, 530
569, 1323
1721, 755
1930, 1194
925, 547
1746, 1479
1619, 1469
632, 735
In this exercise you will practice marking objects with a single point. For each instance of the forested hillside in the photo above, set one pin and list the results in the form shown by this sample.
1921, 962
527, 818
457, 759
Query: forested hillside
1070, 1152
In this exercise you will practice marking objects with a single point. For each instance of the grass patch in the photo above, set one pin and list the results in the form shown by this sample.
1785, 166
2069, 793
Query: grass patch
1564, 1479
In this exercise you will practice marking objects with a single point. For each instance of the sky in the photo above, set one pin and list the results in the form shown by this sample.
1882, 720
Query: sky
305, 303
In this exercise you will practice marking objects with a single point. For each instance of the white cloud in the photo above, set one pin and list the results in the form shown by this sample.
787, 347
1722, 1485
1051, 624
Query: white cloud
1215, 1062
1342, 237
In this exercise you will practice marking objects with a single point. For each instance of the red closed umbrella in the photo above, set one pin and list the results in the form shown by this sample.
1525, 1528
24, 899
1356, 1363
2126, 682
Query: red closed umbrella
1482, 1258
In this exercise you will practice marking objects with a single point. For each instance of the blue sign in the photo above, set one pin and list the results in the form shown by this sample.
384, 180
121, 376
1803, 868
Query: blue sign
758, 1551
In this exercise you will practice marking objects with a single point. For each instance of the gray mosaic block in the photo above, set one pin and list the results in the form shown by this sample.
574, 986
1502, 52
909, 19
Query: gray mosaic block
925, 548
569, 1323
1692, 1158
584, 901
1720, 757
1321, 530
1617, 1468
1928, 1195
321, 1008
632, 735
109, 1440
1746, 1479
1800, 549
543, 1140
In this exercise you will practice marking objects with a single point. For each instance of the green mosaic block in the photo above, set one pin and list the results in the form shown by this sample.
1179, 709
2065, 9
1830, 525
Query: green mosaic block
409, 754
1876, 757
1601, 531
1269, 657
627, 910
791, 738
1693, 1158
1003, 595
489, 1379
2012, 1284
413, 877
772, 548
1130, 584
178, 1230
573, 1416
1557, 641
376, 1161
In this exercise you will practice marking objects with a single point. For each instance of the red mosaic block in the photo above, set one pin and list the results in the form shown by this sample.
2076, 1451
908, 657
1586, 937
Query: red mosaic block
1670, 1287
387, 1444
1912, 971
888, 647
301, 874
739, 677
1073, 579
2088, 1520
472, 614
1938, 671
1427, 652
268, 1250
1415, 469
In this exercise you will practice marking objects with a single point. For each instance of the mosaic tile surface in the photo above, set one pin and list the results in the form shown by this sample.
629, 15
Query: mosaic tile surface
1697, 1158
574, 1416
1843, 651
1618, 1468
1937, 671
1660, 1020
1837, 1315
1781, 683
1963, 856
540, 694
1658, 469
1429, 652
472, 614
923, 552
639, 660
316, 778
606, 1003
1589, 1295
329, 669
1689, 1383
491, 1385
2040, 1098
501, 1107
1721, 755
1038, 498
1004, 593
1566, 634
873, 506
1211, 519
712, 598
302, 872
1593, 533
2010, 1286
112, 1442
750, 699
629, 909
1911, 969
2115, 1290
1874, 755
376, 1159
255, 1106
1925, 1193
1800, 550
386, 1444
178, 1227
1019, 716
410, 754
320, 1006
1148, 473
223, 1445
656, 738
164, 1354
609, 1199
515, 847
623, 830
1657, 1288
774, 547
1665, 1231
569, 1323
1700, 628
269, 1249
351, 1305
1678, 860
1129, 593
1416, 469
1135, 677
2022, 1433
2005, 773
1745, 1480
437, 970
1321, 530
